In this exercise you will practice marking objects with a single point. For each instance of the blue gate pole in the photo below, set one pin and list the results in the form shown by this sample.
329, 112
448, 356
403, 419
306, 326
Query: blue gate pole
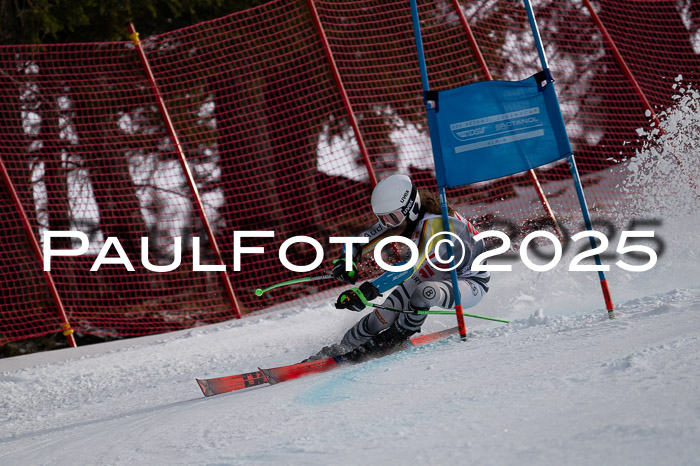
574, 170
536, 34
589, 225
431, 108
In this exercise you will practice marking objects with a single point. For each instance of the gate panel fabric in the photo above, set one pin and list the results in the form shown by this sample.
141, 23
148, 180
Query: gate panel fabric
511, 127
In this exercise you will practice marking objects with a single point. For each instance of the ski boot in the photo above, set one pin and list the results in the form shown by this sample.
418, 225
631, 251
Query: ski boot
379, 345
331, 351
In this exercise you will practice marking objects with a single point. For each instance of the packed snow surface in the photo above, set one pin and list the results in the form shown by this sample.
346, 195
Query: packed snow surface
560, 384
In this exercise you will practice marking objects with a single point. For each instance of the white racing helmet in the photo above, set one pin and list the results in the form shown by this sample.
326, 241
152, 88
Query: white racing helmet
395, 199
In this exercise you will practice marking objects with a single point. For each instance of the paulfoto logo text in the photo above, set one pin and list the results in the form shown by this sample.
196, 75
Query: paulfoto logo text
444, 242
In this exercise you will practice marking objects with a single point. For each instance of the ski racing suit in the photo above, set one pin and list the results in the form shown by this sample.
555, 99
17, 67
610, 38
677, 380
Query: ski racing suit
427, 286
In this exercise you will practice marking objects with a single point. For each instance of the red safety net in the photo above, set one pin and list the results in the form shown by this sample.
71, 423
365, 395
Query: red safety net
267, 137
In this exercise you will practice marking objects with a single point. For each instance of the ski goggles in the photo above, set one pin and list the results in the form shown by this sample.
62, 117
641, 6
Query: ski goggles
392, 219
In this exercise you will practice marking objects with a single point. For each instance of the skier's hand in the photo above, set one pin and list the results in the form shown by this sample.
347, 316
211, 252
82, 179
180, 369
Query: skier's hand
369, 291
343, 275
351, 299
356, 299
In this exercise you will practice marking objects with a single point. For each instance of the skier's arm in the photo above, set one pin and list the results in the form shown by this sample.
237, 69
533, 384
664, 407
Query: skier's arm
357, 299
373, 234
426, 243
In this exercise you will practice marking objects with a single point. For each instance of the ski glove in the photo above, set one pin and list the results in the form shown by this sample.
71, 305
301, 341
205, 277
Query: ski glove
343, 275
356, 299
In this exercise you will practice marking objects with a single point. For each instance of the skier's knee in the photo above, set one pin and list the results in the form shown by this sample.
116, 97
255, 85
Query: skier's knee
429, 294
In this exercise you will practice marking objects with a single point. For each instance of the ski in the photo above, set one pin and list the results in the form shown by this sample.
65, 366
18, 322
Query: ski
275, 375
230, 383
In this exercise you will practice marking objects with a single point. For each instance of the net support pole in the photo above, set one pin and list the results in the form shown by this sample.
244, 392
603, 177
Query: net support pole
621, 62
134, 36
343, 93
574, 170
26, 224
487, 74
435, 142
630, 77
472, 40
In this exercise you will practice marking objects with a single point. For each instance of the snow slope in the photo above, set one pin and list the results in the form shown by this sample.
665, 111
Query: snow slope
560, 384
541, 390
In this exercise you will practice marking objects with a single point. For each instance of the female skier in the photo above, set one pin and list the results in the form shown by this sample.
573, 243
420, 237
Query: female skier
403, 211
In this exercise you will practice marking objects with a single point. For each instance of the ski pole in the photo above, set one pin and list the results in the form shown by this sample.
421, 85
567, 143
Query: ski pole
260, 291
448, 312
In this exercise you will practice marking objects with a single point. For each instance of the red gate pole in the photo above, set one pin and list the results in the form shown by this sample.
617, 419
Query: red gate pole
485, 69
343, 93
65, 325
134, 36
